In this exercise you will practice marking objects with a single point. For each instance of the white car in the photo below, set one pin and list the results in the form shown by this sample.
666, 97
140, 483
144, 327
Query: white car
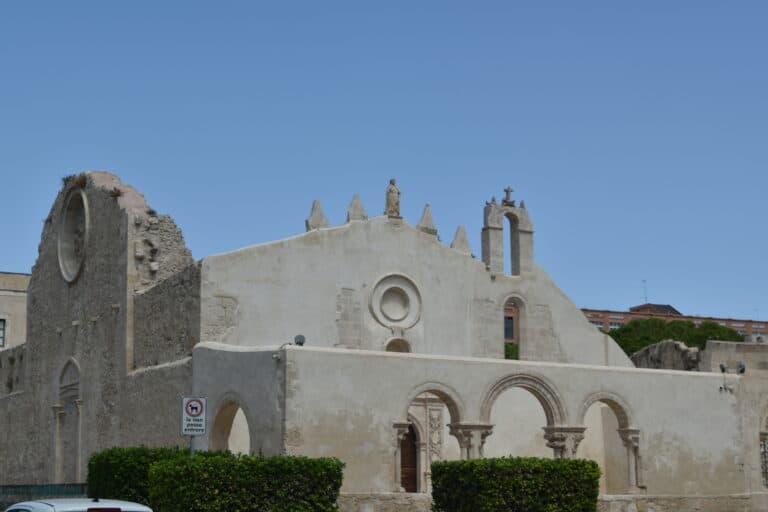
77, 505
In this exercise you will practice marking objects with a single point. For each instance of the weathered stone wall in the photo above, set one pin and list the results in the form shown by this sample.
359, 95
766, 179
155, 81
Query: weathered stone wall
151, 414
753, 355
253, 380
80, 332
672, 503
19, 461
12, 370
385, 502
327, 284
352, 415
167, 319
402, 502
158, 249
668, 355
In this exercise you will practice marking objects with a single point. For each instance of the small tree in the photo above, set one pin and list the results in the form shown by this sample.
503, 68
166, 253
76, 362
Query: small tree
638, 334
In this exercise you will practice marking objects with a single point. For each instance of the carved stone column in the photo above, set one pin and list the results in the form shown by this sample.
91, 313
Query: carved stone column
401, 429
631, 439
564, 440
58, 411
471, 437
79, 461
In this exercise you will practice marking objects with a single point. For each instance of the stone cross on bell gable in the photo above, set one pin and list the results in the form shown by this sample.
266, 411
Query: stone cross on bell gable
508, 201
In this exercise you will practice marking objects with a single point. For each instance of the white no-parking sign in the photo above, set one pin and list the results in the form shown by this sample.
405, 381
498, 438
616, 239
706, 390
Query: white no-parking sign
193, 416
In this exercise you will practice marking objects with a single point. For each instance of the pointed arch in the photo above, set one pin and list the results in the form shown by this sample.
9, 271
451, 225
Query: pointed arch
67, 438
231, 411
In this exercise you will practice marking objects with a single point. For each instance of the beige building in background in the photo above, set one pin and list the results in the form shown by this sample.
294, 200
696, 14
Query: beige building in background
13, 309
401, 364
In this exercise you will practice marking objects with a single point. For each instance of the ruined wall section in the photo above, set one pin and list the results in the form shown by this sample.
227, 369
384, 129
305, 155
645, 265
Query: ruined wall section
159, 250
167, 319
80, 312
668, 355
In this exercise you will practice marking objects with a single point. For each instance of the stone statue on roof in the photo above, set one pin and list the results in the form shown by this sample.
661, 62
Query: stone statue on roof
392, 208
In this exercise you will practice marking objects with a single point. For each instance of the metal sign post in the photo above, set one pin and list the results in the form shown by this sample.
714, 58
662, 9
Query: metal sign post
193, 413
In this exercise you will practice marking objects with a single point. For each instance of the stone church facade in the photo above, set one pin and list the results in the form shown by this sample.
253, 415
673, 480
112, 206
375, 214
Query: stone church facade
403, 362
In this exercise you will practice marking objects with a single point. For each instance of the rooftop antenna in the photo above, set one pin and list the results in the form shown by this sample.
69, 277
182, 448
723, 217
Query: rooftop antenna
645, 291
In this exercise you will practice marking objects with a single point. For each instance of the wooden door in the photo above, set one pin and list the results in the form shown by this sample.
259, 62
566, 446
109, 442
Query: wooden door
409, 462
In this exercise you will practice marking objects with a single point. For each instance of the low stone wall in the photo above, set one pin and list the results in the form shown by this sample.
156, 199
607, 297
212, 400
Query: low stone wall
10, 494
385, 502
417, 502
631, 503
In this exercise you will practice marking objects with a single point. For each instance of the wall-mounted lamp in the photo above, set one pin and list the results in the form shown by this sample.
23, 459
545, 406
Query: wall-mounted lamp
298, 340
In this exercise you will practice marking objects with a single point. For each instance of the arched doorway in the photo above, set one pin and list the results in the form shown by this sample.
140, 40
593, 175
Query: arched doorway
409, 461
430, 415
68, 426
230, 429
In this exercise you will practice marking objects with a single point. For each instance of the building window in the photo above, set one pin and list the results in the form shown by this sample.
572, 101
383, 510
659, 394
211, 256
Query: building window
614, 325
616, 317
597, 324
509, 328
737, 324
2, 332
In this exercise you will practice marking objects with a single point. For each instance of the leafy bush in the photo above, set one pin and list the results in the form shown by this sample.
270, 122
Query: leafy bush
638, 334
515, 484
123, 473
245, 483
511, 351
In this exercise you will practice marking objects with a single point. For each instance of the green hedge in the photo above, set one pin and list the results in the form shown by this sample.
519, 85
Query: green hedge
245, 483
514, 484
123, 473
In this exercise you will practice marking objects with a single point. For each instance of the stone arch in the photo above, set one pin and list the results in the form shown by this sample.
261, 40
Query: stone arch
617, 443
231, 428
448, 395
398, 345
538, 386
615, 402
68, 425
428, 398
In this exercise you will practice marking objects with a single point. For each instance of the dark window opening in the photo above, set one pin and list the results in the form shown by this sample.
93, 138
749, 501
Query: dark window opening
509, 328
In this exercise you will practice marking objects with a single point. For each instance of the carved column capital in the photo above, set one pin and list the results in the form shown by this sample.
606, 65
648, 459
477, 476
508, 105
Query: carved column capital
471, 437
401, 429
630, 437
564, 440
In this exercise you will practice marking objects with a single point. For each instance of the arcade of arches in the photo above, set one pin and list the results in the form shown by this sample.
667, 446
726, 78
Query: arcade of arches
524, 422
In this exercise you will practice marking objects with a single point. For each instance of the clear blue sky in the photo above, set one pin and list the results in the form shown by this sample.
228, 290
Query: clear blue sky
636, 132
